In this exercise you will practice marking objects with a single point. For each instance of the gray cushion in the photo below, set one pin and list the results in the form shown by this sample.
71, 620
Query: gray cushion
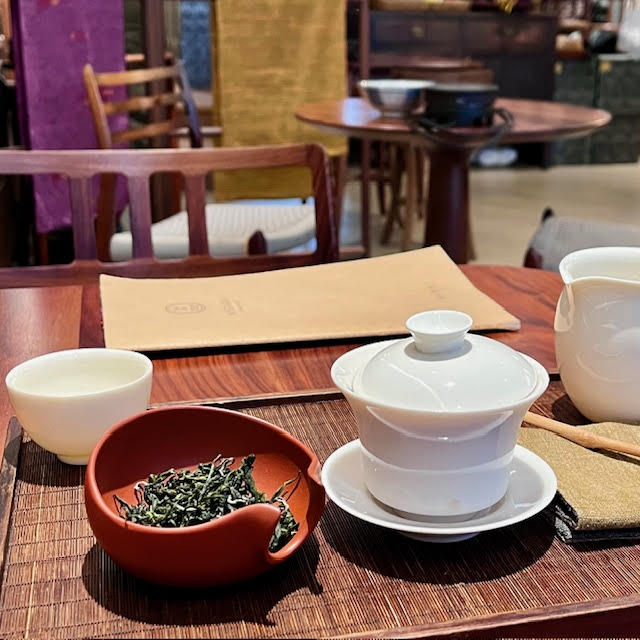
559, 235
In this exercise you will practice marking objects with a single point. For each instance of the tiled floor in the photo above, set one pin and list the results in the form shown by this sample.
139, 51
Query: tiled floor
506, 206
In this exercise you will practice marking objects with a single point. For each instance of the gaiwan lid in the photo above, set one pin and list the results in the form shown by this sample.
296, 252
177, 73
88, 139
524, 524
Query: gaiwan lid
442, 368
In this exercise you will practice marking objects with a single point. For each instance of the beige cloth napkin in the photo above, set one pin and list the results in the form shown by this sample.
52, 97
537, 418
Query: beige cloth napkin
598, 491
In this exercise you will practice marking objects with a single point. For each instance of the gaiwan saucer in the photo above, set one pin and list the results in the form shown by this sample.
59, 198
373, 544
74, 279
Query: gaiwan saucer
532, 486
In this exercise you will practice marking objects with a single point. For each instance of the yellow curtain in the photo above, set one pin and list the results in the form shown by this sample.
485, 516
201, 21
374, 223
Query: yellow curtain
269, 57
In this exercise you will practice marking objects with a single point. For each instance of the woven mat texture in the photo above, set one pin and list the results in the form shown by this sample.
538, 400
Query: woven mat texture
349, 577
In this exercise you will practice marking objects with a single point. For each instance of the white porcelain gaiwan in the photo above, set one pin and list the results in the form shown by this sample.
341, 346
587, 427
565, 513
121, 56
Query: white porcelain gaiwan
438, 414
66, 400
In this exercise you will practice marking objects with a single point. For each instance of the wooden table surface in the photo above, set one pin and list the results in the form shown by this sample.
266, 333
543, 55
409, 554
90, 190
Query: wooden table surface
37, 321
534, 120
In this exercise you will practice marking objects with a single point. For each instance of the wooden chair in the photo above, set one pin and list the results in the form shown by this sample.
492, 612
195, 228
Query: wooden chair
170, 92
138, 166
170, 108
173, 112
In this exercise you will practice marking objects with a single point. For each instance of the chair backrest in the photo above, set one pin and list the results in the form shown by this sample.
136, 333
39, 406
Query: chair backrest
169, 95
138, 166
170, 107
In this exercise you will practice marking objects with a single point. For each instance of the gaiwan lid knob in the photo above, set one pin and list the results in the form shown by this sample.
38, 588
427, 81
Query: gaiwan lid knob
444, 368
438, 331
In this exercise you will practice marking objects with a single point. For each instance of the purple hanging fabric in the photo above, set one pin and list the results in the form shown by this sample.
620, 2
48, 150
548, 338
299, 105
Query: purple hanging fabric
54, 39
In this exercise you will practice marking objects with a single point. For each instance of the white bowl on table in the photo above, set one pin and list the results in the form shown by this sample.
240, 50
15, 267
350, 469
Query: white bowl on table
395, 98
438, 415
66, 400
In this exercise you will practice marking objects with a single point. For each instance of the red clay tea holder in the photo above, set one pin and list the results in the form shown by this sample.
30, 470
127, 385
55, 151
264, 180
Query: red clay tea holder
225, 550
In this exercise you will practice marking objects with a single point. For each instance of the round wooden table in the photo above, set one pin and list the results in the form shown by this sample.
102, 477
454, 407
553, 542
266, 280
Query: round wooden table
448, 199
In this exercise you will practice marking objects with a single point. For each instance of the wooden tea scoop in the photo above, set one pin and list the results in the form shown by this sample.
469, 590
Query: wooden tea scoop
581, 436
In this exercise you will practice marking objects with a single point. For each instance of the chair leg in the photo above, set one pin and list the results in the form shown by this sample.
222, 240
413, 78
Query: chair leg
364, 195
397, 166
413, 180
339, 175
421, 174
43, 248
383, 153
471, 250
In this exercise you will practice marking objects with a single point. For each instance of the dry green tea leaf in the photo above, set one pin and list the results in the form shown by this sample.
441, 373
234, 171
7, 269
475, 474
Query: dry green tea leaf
186, 498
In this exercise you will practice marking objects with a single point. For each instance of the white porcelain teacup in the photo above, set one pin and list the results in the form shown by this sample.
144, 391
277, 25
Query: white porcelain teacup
438, 415
66, 400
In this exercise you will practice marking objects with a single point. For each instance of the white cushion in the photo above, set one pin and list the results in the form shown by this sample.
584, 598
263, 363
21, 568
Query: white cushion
229, 227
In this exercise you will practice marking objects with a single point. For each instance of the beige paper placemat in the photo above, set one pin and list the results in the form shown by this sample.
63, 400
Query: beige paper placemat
358, 298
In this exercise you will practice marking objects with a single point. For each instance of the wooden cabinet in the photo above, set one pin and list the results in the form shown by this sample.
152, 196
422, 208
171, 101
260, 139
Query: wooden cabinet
518, 48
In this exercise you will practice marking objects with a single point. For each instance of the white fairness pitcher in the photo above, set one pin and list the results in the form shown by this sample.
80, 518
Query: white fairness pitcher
597, 329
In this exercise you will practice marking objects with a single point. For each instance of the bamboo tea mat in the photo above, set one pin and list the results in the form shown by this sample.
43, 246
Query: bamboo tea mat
349, 577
